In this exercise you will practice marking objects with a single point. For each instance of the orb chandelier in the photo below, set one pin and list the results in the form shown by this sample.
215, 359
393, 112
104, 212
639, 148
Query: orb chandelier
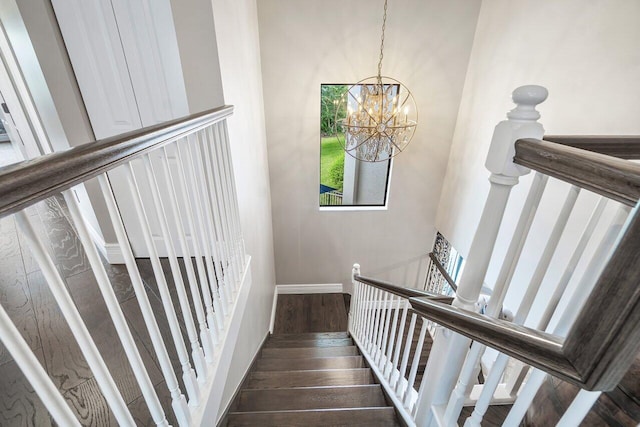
376, 117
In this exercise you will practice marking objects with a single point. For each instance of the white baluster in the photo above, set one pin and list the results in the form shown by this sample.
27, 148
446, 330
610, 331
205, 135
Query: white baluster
388, 367
380, 329
371, 307
414, 365
359, 310
384, 355
113, 306
518, 240
405, 357
583, 290
396, 356
500, 364
354, 308
178, 401
35, 373
526, 396
209, 299
196, 351
376, 321
217, 149
529, 209
374, 316
573, 263
74, 320
225, 285
579, 408
205, 335
205, 227
449, 351
227, 157
219, 203
515, 378
188, 374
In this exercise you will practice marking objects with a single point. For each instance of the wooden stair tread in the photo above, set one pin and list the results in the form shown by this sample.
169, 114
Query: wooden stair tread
309, 336
341, 362
309, 378
308, 352
310, 398
319, 342
374, 417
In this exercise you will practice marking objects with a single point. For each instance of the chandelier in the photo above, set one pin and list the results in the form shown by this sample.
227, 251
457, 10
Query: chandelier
376, 117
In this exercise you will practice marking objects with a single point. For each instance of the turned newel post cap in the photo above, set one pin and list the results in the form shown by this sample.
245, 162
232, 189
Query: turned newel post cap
526, 98
356, 269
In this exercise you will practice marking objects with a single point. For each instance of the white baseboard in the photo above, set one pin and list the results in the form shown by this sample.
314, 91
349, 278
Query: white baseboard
110, 251
323, 288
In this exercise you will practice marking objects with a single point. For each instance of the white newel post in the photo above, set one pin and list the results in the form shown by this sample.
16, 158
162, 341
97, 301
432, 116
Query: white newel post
449, 349
354, 286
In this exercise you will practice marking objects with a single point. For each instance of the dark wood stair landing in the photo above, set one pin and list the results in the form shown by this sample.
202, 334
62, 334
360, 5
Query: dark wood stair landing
311, 379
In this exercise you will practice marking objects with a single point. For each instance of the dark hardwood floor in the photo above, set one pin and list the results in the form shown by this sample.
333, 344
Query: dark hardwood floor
310, 313
31, 306
619, 407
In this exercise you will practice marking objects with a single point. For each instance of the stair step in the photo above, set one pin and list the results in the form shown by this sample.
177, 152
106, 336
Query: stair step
295, 353
309, 336
375, 417
316, 363
310, 398
327, 377
320, 342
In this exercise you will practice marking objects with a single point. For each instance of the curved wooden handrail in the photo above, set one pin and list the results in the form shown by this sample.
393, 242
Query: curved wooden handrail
402, 291
612, 177
25, 183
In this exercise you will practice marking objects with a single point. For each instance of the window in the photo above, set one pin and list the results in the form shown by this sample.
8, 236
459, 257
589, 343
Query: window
344, 180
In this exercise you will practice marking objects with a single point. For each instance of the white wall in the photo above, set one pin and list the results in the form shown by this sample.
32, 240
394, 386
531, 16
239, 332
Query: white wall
237, 35
307, 43
586, 54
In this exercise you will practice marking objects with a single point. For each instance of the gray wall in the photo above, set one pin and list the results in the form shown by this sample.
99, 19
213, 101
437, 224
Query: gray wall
306, 43
237, 33
586, 54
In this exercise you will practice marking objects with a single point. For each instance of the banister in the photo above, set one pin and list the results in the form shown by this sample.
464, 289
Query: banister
623, 147
25, 183
537, 348
443, 272
612, 177
402, 291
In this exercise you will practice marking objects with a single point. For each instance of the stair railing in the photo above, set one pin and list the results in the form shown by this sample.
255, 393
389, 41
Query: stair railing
591, 342
191, 159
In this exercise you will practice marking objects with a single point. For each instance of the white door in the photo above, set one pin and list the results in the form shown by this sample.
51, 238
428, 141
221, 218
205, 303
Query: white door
126, 60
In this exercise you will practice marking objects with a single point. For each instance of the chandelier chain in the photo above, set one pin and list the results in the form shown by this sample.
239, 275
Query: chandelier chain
384, 24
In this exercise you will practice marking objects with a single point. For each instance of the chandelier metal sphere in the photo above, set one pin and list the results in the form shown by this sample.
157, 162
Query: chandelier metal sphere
376, 119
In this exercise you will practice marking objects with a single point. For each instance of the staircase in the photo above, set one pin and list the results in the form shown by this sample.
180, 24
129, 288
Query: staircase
311, 379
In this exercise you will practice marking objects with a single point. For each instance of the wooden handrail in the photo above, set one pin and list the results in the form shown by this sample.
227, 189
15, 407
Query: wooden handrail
443, 272
402, 291
539, 349
25, 183
623, 147
608, 176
